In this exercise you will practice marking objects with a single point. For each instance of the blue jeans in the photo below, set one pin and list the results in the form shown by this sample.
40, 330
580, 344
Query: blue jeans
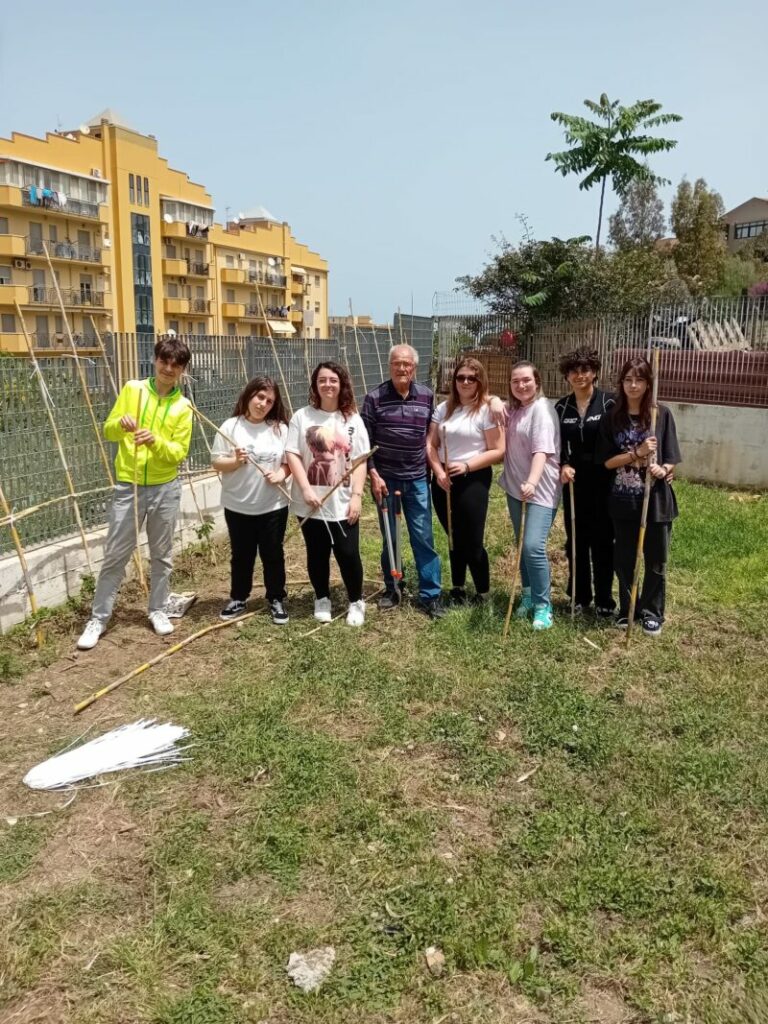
534, 564
417, 512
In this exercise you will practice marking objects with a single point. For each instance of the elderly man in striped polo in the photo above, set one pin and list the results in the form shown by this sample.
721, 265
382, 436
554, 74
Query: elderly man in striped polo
397, 415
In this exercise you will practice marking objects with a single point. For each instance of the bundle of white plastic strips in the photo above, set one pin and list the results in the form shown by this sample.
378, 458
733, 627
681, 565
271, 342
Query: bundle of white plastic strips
144, 744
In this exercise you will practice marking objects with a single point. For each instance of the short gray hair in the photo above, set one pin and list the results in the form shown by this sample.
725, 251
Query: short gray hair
411, 351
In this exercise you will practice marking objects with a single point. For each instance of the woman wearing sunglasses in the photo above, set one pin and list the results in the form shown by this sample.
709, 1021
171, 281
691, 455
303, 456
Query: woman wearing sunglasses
475, 442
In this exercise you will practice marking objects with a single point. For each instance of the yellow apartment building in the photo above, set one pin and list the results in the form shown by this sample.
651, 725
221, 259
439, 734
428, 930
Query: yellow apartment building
133, 247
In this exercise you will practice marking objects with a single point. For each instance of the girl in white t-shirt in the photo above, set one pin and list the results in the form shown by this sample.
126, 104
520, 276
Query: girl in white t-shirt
253, 470
324, 439
475, 442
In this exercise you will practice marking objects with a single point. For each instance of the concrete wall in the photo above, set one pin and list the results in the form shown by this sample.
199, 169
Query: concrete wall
57, 568
722, 444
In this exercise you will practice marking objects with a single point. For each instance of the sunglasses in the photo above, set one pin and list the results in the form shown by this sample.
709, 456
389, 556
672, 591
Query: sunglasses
466, 378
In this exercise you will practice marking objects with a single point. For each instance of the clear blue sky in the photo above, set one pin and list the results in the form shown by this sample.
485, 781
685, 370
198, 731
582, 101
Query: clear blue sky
396, 138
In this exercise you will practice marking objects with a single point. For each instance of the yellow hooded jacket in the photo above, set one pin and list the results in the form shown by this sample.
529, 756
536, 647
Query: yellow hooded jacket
168, 418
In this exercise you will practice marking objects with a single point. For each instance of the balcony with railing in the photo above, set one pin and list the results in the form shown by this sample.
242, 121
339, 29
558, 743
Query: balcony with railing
64, 251
45, 198
83, 296
197, 269
267, 277
200, 306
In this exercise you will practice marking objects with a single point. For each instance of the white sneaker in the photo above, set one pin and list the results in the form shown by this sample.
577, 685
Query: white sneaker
323, 609
90, 635
161, 624
356, 613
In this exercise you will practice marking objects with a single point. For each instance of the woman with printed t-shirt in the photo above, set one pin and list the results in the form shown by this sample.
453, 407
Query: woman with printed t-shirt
255, 509
475, 443
627, 447
532, 475
324, 439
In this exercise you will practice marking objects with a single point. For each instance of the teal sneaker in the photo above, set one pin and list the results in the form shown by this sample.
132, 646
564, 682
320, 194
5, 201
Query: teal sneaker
525, 607
542, 616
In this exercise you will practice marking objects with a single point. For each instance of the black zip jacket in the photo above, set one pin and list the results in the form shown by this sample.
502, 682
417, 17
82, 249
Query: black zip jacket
578, 437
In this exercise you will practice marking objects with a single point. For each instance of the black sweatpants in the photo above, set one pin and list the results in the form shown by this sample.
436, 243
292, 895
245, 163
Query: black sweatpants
594, 540
469, 510
346, 550
650, 601
252, 535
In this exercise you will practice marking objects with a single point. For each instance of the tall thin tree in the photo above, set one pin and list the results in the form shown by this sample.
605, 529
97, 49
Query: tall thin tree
609, 147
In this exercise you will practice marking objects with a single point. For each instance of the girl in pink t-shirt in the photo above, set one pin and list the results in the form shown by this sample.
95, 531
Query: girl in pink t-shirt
532, 475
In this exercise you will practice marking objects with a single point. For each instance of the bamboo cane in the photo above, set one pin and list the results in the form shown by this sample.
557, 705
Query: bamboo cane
158, 658
378, 353
448, 508
357, 346
243, 367
57, 437
346, 475
515, 570
646, 498
274, 351
136, 525
39, 636
234, 444
80, 372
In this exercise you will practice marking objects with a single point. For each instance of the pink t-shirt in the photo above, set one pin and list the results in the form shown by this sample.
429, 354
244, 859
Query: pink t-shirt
530, 429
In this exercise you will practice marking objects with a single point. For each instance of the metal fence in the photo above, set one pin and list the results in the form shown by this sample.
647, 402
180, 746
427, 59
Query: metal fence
714, 351
30, 468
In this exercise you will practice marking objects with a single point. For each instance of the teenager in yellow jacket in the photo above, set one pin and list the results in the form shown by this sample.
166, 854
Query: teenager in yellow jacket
151, 422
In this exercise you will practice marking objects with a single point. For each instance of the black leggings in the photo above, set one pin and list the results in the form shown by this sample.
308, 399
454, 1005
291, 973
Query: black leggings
346, 550
594, 540
651, 598
252, 535
469, 510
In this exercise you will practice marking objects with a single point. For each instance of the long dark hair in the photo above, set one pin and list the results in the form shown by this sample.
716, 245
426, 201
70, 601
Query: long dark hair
276, 414
481, 395
347, 403
620, 411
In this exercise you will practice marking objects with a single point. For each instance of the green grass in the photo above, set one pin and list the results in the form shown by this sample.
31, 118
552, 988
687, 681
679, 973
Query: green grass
360, 789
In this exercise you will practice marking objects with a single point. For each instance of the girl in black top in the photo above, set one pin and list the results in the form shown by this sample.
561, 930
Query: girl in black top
580, 414
627, 447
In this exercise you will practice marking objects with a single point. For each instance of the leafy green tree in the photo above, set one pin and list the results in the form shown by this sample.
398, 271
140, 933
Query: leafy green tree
737, 275
639, 220
700, 253
610, 146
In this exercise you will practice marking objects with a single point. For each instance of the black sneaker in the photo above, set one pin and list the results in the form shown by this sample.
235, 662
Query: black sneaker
278, 613
432, 607
458, 596
232, 610
389, 600
651, 626
603, 613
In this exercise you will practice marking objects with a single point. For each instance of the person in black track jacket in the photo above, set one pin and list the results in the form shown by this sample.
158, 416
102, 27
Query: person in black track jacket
581, 413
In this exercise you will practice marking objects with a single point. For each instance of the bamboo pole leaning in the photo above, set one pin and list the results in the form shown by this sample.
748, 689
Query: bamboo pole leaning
47, 402
357, 347
515, 570
448, 505
80, 372
39, 636
649, 480
136, 523
274, 352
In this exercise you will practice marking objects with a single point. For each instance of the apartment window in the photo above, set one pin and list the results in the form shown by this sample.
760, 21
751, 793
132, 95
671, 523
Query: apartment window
190, 327
317, 332
131, 189
3, 225
230, 260
230, 294
173, 291
199, 291
41, 330
53, 234
170, 252
307, 306
173, 325
317, 280
146, 191
231, 330
35, 237
58, 325
750, 229
8, 323
317, 307
201, 328
5, 274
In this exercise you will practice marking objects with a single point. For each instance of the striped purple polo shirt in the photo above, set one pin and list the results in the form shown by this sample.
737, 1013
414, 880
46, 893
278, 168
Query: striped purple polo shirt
398, 427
